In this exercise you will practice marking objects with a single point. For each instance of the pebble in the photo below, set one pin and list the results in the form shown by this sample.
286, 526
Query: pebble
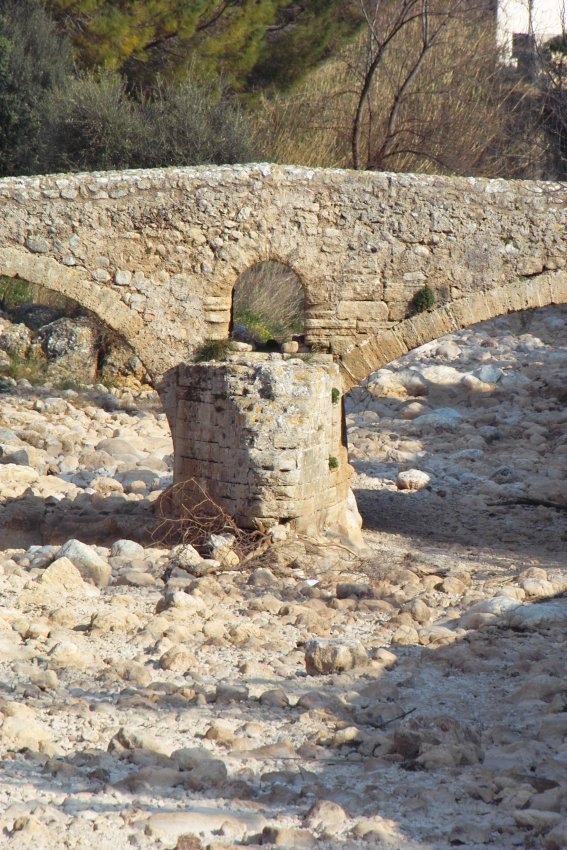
281, 836
177, 659
325, 816
126, 548
413, 479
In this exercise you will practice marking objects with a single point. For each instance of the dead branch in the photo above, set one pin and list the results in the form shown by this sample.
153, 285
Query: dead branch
187, 514
398, 717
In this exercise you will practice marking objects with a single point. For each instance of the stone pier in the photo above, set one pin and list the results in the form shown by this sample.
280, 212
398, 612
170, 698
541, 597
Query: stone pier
264, 434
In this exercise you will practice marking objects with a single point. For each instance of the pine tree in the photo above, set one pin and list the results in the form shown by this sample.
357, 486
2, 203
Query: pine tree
250, 43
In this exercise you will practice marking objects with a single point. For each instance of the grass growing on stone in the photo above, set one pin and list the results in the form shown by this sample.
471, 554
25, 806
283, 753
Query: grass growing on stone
212, 349
260, 327
32, 369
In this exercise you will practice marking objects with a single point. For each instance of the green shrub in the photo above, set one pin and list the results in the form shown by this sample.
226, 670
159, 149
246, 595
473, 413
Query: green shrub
335, 395
333, 462
423, 300
194, 121
97, 123
93, 124
34, 60
257, 325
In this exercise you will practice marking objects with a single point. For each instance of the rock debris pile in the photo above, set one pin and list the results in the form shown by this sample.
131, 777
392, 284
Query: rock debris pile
416, 699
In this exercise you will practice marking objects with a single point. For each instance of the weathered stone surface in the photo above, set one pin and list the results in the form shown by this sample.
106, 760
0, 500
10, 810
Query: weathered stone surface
265, 437
15, 340
71, 348
91, 566
62, 572
58, 236
334, 655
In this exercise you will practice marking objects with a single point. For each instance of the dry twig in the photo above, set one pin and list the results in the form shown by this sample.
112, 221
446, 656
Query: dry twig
187, 514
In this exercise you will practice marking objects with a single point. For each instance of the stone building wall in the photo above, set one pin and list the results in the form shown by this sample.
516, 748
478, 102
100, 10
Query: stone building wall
155, 254
264, 434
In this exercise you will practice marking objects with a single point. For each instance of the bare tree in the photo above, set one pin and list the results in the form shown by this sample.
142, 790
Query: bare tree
380, 36
424, 28
552, 84
421, 89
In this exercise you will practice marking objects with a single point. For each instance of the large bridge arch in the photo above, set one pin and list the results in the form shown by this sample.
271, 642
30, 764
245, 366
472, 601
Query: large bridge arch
382, 348
103, 304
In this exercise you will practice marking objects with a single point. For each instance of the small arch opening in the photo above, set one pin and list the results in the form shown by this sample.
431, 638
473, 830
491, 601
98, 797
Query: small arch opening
268, 305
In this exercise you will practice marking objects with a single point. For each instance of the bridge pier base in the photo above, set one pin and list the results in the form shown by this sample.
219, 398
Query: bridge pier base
264, 434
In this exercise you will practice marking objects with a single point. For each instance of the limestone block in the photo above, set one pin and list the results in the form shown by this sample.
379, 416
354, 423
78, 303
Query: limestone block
334, 655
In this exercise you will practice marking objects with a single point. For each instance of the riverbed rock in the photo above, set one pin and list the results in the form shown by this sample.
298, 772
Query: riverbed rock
91, 566
334, 655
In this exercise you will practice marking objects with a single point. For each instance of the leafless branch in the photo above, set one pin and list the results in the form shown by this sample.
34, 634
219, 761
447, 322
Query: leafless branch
186, 513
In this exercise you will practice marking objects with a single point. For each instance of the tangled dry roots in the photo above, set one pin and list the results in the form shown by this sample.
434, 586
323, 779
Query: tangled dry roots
186, 513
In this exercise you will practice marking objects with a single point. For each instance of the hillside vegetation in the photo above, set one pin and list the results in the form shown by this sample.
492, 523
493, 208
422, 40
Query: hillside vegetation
381, 84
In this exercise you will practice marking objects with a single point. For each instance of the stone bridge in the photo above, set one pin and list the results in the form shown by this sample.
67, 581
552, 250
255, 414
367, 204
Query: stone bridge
155, 254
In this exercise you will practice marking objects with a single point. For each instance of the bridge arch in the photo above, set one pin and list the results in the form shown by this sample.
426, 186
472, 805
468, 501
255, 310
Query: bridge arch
373, 352
239, 263
98, 300
268, 301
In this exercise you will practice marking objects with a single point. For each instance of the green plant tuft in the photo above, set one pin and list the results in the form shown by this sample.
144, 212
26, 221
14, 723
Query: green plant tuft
31, 368
212, 349
422, 301
333, 462
335, 395
258, 326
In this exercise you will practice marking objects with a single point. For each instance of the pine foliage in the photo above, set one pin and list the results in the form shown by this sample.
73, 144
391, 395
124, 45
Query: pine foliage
250, 43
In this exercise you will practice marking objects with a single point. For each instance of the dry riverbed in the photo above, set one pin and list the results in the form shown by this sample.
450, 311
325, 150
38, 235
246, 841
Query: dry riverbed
135, 714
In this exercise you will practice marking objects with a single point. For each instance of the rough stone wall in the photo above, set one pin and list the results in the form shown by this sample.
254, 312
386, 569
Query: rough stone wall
264, 434
155, 254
